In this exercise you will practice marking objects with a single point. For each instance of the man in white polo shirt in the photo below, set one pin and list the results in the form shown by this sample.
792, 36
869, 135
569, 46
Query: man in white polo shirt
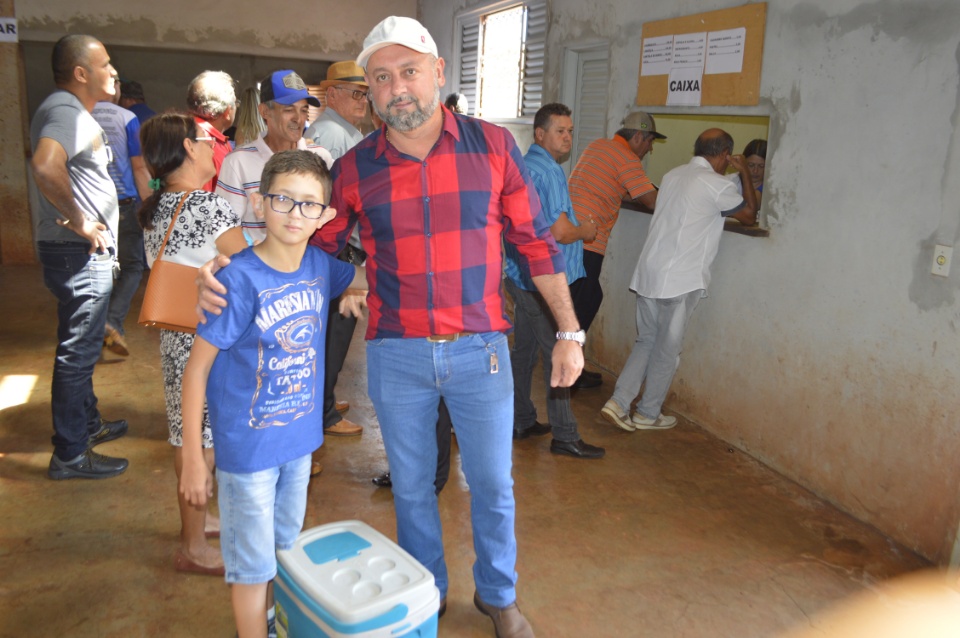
673, 273
283, 106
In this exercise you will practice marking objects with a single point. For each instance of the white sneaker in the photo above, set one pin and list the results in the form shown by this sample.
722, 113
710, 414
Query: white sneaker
662, 422
612, 413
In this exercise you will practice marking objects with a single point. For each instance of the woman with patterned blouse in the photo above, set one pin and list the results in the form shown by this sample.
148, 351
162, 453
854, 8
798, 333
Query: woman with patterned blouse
180, 158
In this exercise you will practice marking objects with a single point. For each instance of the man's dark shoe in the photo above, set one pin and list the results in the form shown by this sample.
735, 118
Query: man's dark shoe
537, 429
592, 375
585, 382
109, 430
383, 480
577, 449
508, 621
88, 465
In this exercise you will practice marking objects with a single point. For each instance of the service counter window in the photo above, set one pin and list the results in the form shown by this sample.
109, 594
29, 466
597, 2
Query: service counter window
683, 130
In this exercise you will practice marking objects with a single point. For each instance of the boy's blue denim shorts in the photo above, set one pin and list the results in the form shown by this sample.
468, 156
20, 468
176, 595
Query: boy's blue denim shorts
260, 512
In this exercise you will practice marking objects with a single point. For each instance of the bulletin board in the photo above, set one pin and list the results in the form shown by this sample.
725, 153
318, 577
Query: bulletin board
741, 29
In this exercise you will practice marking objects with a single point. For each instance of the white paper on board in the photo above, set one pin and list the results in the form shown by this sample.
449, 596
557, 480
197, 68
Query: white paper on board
725, 51
657, 55
689, 50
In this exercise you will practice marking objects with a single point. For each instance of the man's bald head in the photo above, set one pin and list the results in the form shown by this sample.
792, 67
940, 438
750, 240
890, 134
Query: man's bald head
69, 52
712, 143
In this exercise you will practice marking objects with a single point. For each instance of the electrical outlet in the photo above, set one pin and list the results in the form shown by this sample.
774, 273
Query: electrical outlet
942, 255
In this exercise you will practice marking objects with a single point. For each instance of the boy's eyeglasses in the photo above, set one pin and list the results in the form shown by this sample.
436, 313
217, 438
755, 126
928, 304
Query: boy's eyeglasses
354, 93
283, 205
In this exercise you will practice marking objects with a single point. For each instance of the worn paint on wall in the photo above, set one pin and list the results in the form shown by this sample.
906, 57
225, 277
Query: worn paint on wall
326, 31
827, 350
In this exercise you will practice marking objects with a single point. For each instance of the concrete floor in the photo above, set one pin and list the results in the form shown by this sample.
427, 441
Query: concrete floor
673, 534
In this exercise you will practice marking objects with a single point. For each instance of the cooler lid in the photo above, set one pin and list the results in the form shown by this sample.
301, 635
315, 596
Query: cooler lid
355, 572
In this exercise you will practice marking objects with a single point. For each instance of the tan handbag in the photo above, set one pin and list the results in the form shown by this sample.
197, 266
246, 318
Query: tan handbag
170, 300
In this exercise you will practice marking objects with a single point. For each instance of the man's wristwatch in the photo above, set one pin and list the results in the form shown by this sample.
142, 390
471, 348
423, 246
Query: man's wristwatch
579, 336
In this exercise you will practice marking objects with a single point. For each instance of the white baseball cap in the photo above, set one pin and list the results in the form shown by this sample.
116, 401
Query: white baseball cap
406, 32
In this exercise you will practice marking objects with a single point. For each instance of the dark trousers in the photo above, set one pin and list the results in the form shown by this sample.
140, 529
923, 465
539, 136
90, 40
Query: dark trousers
130, 254
82, 285
586, 292
339, 333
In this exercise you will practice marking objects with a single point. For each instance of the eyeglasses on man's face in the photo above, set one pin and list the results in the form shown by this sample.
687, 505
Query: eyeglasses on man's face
283, 205
356, 94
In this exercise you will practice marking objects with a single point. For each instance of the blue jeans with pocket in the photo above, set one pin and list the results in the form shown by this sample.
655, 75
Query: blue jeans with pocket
406, 379
82, 284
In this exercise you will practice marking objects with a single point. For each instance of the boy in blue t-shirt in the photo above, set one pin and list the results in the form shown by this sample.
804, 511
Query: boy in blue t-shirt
259, 364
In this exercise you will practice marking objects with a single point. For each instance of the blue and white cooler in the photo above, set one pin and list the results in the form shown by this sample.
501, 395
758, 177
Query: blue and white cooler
348, 580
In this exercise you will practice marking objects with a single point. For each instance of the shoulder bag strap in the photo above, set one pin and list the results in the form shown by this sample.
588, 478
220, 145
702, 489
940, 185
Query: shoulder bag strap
173, 220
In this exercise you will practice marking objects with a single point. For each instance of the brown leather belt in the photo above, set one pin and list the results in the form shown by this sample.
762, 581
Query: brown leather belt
453, 336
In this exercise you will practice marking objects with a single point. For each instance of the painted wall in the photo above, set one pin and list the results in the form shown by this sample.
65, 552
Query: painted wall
309, 30
827, 350
155, 45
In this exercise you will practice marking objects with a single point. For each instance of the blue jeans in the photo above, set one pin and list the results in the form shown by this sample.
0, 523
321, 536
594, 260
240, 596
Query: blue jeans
82, 284
260, 512
406, 379
131, 255
656, 352
535, 333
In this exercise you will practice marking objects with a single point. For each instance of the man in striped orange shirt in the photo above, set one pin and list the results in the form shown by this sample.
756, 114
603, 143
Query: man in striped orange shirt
608, 172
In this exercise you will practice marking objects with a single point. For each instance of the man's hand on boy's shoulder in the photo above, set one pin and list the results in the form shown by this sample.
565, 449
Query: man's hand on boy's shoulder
352, 303
209, 290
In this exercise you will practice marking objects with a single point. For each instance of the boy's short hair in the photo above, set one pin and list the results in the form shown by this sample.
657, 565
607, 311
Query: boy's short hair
296, 162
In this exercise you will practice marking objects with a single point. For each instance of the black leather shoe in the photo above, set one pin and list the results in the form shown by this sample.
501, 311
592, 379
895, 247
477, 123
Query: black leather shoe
592, 375
584, 382
88, 465
577, 449
537, 429
383, 480
109, 430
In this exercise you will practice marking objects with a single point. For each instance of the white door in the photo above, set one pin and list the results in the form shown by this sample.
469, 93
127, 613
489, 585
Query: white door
586, 79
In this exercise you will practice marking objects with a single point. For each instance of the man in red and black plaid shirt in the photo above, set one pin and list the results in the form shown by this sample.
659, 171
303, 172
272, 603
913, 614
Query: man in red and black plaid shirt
434, 193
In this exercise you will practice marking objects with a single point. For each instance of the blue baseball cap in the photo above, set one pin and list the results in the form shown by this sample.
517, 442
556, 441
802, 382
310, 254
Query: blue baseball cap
285, 87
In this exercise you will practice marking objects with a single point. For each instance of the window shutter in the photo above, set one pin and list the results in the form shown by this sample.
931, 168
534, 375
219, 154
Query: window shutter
531, 91
469, 32
590, 109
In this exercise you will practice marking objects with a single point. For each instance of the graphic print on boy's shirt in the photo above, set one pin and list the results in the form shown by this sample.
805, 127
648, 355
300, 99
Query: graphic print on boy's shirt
289, 320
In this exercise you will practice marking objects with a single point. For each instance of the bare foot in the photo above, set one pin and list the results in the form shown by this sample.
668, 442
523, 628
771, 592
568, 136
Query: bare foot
208, 557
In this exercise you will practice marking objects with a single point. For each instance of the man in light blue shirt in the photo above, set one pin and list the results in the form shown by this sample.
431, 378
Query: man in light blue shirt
337, 128
534, 327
